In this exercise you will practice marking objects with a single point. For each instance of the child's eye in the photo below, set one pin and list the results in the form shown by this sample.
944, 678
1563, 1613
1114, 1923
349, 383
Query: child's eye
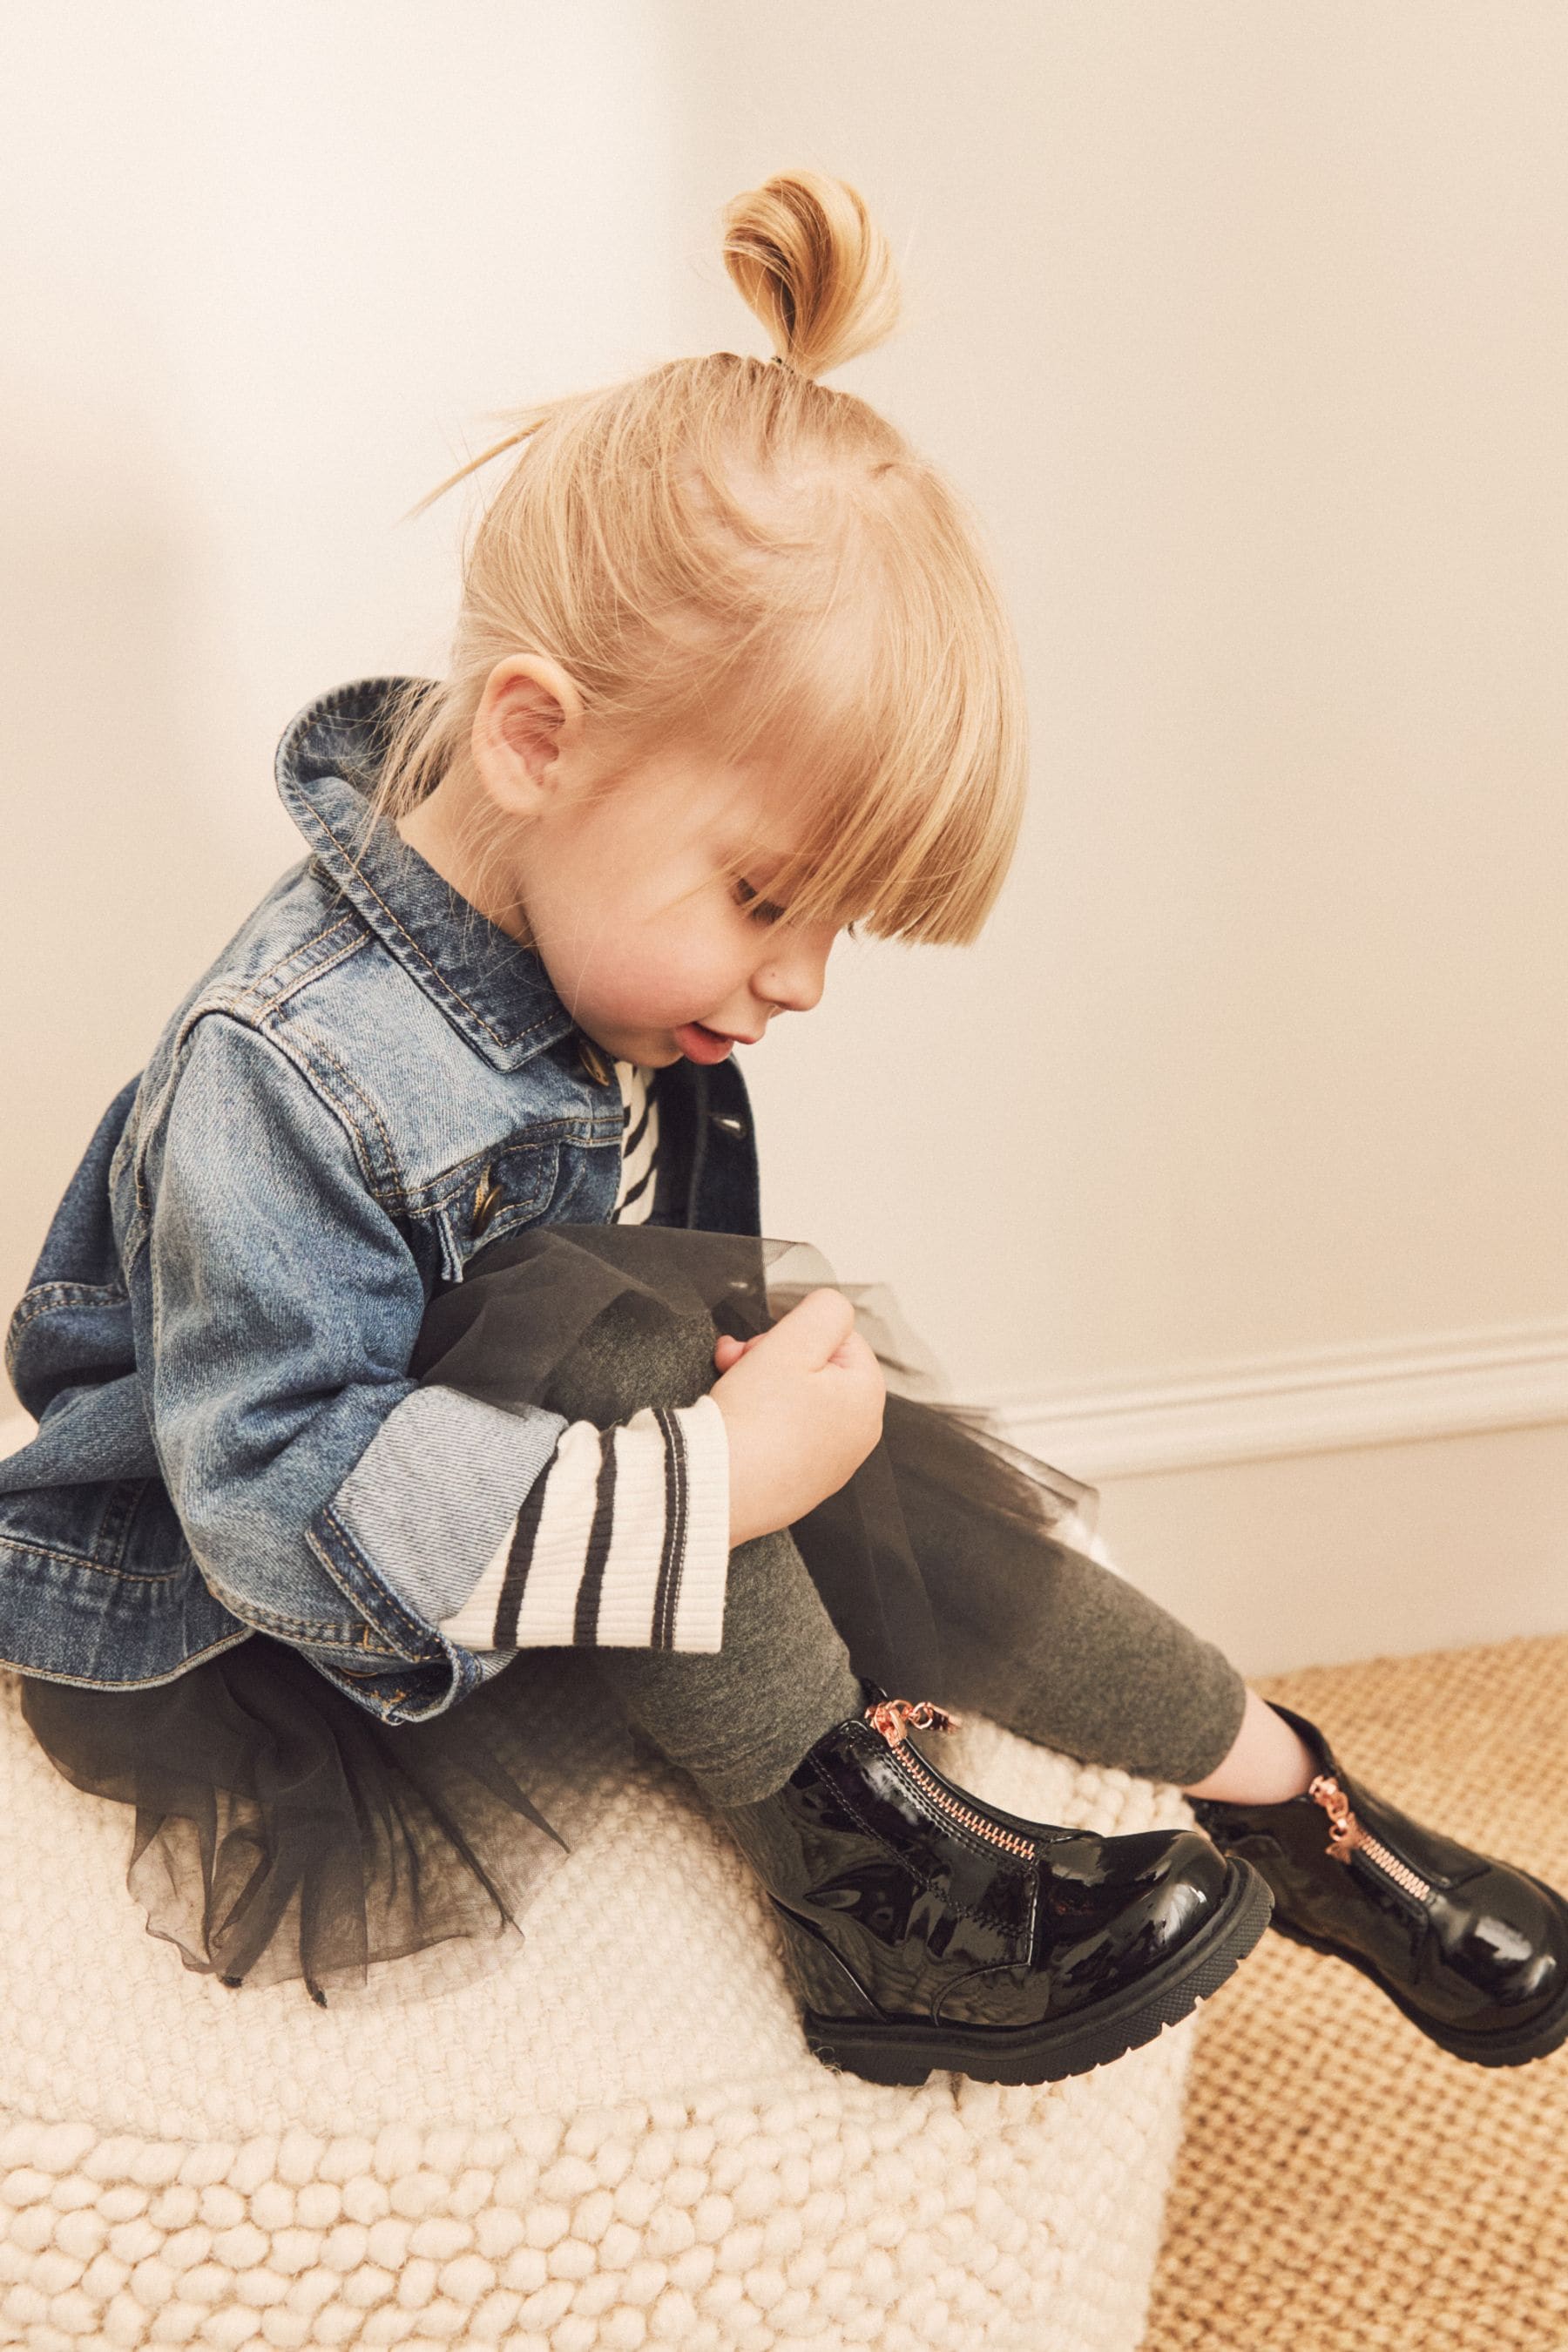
768, 910
763, 910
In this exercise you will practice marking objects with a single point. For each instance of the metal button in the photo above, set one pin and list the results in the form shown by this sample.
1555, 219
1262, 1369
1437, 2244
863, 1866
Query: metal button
487, 1200
593, 1061
727, 1121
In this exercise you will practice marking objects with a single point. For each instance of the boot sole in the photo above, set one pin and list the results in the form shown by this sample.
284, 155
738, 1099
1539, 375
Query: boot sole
1537, 2040
903, 2052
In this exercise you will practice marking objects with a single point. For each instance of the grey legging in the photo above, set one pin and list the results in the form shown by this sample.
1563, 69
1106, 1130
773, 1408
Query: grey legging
1098, 1670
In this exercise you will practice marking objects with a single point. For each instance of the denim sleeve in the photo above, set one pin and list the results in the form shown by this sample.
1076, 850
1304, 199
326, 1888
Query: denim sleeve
328, 1498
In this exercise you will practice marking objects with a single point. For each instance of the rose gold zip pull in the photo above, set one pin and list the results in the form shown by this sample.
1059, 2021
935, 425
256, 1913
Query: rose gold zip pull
895, 1719
1345, 1833
1346, 1836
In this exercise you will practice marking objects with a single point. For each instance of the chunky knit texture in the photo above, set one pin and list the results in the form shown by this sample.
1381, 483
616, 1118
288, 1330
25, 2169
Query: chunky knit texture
575, 2139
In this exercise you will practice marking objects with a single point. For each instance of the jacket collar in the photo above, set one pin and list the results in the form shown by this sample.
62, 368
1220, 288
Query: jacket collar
496, 992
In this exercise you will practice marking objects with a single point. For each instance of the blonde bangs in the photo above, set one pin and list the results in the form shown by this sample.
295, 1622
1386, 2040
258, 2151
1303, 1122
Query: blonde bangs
893, 717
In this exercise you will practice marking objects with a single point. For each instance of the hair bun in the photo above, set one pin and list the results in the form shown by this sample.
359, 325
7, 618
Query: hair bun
813, 267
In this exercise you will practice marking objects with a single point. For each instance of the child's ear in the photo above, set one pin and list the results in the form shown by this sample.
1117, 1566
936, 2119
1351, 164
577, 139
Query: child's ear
529, 715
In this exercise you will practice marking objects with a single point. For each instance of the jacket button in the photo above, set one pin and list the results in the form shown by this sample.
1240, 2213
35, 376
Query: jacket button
728, 1124
593, 1061
487, 1200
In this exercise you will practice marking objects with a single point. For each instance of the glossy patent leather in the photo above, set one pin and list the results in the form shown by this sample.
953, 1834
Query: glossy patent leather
1479, 1962
896, 1911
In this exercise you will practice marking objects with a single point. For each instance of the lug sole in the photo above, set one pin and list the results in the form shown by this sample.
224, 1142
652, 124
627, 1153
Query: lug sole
1538, 2040
904, 2051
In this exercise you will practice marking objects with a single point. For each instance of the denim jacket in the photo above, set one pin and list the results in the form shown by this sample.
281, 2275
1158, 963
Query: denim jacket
370, 1081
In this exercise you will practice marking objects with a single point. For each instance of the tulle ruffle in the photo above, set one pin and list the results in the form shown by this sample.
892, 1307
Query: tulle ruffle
281, 1831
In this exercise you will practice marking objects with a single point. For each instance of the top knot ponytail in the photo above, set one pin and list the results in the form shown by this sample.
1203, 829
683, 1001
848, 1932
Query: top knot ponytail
813, 267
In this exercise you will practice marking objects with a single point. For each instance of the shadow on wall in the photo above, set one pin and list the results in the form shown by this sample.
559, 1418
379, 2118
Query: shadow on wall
114, 893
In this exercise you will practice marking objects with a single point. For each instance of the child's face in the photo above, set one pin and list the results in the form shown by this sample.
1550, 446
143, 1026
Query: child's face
636, 876
650, 911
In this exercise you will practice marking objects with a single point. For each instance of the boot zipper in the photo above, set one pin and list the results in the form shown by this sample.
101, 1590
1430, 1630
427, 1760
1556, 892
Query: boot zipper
1347, 1837
894, 1717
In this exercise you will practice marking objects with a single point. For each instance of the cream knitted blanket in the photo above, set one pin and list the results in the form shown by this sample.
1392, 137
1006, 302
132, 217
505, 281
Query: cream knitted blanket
579, 2139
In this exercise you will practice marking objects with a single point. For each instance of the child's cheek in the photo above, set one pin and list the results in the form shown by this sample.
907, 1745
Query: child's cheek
688, 978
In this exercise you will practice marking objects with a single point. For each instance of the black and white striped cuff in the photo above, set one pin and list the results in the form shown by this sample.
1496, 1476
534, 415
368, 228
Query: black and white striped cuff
623, 1541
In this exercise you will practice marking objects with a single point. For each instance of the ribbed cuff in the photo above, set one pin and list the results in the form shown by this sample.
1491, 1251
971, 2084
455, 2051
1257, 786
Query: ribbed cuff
626, 1543
665, 1571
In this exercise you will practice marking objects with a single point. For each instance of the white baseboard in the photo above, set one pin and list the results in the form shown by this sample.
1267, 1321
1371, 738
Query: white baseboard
1312, 1401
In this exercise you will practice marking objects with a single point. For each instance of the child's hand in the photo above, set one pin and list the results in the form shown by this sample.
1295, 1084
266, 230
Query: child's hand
803, 1407
728, 1351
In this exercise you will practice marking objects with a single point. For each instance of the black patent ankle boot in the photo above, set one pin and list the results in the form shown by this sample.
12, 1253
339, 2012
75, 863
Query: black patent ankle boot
1472, 1951
923, 1928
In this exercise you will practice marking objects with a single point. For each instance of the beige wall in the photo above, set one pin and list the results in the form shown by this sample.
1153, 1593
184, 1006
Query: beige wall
277, 264
1242, 324
1236, 1156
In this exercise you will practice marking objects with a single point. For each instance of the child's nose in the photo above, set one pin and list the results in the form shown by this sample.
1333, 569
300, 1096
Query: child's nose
794, 974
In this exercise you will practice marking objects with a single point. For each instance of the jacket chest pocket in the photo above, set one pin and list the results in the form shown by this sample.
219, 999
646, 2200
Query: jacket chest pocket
493, 1193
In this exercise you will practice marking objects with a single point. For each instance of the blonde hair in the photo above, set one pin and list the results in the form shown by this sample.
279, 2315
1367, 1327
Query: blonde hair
726, 550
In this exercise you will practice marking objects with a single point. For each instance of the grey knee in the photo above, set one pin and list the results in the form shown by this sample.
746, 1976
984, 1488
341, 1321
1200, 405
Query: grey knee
637, 1352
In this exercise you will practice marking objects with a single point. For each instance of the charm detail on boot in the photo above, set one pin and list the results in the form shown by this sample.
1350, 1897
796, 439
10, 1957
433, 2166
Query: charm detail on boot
1346, 1836
895, 1719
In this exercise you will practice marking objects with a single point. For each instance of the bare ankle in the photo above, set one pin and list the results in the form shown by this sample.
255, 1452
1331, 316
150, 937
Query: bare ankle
1267, 1762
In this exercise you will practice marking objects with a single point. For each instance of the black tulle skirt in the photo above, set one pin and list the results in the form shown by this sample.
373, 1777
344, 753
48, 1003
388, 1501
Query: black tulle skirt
282, 1831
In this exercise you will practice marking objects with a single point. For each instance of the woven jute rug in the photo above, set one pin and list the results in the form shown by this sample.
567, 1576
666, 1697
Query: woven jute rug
1344, 2185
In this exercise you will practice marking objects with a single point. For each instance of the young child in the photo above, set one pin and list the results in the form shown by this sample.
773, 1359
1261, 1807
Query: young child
408, 1321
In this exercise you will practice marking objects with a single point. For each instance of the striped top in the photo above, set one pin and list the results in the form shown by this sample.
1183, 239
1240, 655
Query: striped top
639, 1144
623, 1537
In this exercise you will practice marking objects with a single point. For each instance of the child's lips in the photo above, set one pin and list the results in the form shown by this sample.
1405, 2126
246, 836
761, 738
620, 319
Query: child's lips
703, 1045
